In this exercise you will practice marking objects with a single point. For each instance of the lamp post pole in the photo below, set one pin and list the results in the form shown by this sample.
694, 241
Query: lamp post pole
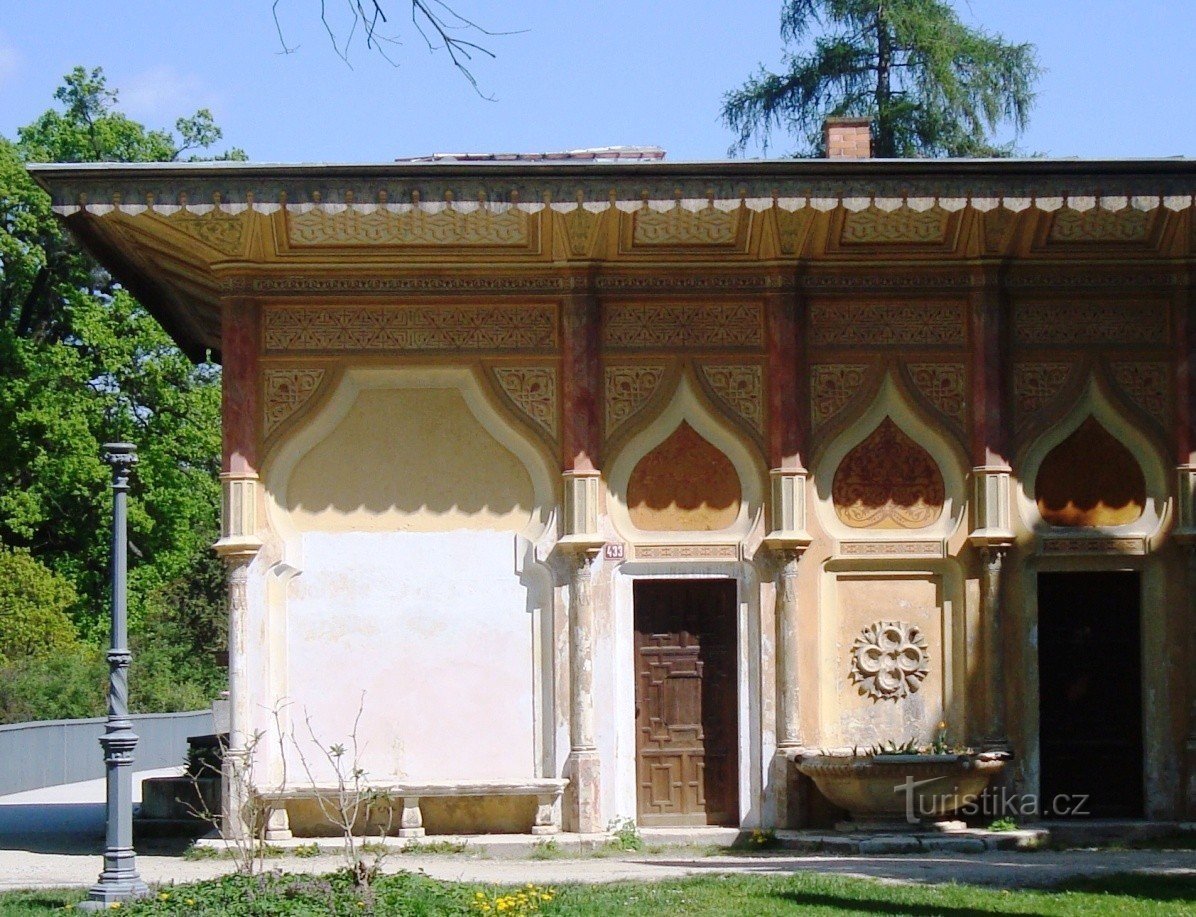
119, 879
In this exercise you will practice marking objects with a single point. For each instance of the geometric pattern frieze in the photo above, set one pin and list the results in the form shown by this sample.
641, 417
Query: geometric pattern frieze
482, 226
410, 328
679, 226
1099, 225
222, 231
1085, 322
870, 324
873, 226
633, 325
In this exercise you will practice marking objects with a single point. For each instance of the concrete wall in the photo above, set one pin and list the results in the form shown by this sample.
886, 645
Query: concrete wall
53, 752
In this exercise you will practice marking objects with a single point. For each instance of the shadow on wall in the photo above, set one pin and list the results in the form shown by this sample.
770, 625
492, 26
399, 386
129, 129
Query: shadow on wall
418, 453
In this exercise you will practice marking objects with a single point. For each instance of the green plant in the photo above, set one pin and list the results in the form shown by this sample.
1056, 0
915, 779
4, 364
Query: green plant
1003, 824
435, 847
526, 900
547, 850
761, 839
625, 834
306, 851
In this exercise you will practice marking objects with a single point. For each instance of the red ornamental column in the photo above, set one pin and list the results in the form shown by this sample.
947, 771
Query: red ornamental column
581, 391
992, 484
788, 438
239, 542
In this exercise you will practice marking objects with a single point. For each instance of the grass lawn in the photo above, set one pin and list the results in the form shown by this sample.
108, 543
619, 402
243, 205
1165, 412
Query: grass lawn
805, 893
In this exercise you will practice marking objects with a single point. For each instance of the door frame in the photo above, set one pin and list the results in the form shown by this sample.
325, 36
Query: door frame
751, 750
1154, 609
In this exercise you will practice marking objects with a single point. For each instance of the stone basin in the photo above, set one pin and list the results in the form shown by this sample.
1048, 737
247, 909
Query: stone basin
901, 790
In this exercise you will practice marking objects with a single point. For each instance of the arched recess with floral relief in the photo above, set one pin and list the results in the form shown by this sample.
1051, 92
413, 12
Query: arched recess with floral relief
686, 475
890, 474
1095, 469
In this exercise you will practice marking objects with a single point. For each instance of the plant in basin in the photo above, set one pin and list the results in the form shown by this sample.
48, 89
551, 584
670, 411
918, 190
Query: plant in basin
903, 787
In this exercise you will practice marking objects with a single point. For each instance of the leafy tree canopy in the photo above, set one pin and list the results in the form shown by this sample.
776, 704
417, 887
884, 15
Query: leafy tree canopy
931, 85
82, 363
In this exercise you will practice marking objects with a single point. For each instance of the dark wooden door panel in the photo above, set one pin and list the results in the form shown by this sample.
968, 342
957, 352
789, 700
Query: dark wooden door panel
1090, 693
686, 729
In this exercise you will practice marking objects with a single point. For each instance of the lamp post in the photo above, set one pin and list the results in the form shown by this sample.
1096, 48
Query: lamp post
119, 879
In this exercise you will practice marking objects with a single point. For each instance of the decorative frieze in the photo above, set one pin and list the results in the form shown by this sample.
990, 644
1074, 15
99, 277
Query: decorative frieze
1083, 322
878, 323
286, 391
1094, 544
889, 660
792, 228
484, 226
887, 548
1146, 384
225, 232
410, 328
741, 388
631, 326
719, 552
903, 226
628, 389
533, 390
832, 386
944, 385
581, 230
678, 225
1100, 225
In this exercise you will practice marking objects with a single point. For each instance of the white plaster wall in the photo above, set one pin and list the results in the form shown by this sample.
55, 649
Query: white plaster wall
437, 630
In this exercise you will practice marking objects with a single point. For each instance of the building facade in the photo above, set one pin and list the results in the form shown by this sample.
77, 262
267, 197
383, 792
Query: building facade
656, 477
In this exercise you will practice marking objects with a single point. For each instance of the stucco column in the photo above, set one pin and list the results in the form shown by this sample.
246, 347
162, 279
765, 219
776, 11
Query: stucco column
586, 814
992, 558
239, 540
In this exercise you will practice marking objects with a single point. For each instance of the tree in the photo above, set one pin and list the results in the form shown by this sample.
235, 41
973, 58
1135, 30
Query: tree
438, 23
931, 85
83, 363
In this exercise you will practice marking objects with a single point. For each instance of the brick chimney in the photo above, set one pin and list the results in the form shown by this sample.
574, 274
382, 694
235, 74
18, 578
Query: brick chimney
847, 138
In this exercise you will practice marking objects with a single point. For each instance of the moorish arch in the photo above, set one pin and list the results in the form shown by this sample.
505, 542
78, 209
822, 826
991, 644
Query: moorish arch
686, 474
1094, 469
890, 473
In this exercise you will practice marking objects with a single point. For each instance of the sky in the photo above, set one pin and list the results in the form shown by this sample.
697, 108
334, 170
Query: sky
574, 73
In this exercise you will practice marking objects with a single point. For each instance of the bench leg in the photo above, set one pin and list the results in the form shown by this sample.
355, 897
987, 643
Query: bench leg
411, 824
548, 814
278, 824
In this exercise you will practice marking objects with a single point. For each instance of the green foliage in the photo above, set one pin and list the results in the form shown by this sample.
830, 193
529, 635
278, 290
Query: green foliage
625, 835
931, 85
83, 363
1003, 824
34, 602
66, 685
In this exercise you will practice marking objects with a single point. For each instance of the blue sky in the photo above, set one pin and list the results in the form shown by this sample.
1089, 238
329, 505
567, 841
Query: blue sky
1120, 79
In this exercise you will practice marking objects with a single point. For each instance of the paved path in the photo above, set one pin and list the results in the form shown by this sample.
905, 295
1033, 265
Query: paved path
40, 863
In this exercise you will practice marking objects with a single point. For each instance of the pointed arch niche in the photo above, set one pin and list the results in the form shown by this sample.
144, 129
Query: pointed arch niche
1093, 472
686, 476
895, 474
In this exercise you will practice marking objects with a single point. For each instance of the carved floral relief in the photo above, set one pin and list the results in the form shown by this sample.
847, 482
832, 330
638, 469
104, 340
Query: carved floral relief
286, 391
741, 388
533, 390
889, 660
832, 386
628, 389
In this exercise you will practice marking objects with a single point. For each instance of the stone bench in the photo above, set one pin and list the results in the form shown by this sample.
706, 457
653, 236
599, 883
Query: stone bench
547, 790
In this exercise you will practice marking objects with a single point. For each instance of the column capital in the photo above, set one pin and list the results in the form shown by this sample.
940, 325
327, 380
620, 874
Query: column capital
788, 506
239, 540
992, 506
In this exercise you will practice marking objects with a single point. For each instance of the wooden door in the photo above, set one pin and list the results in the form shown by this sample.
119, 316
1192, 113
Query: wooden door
1090, 695
686, 702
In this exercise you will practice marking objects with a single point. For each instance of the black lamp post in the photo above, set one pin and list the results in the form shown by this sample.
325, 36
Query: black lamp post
119, 879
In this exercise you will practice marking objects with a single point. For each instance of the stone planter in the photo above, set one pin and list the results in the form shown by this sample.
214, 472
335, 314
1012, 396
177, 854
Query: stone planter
901, 791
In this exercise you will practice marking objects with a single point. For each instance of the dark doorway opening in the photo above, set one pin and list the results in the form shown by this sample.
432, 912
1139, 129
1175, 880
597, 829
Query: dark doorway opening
1090, 694
686, 703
